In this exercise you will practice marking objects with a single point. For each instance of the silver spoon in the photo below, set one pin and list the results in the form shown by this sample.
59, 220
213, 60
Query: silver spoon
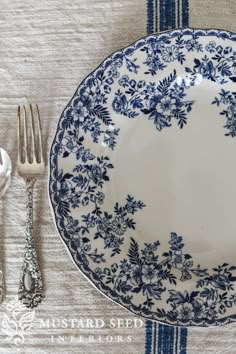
5, 181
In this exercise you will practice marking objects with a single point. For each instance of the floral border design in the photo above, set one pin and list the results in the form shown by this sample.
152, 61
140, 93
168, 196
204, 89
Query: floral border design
220, 67
147, 273
160, 51
80, 261
228, 99
160, 102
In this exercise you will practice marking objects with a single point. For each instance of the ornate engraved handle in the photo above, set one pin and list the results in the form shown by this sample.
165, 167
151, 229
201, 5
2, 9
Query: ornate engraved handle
30, 289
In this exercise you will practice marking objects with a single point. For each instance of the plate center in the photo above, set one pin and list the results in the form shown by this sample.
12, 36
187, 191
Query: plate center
185, 177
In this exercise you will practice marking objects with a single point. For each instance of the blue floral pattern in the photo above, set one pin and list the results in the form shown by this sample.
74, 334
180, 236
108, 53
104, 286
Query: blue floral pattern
227, 99
216, 66
96, 237
147, 273
161, 102
110, 228
84, 187
161, 52
89, 111
219, 65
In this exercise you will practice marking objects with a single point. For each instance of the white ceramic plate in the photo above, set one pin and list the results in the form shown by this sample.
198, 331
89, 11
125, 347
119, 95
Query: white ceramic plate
143, 177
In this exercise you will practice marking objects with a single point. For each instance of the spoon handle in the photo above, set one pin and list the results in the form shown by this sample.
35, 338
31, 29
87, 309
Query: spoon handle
2, 285
30, 288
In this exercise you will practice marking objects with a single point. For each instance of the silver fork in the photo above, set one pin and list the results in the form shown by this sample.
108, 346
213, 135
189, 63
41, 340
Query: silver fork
30, 165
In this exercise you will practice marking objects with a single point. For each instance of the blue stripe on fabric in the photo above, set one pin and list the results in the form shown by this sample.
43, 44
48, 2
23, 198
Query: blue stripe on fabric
163, 339
173, 14
185, 13
176, 339
156, 16
150, 16
172, 336
155, 339
162, 14
149, 337
159, 334
183, 340
168, 340
167, 14
167, 18
178, 14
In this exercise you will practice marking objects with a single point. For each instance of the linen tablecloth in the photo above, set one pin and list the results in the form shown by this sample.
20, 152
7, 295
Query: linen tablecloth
46, 48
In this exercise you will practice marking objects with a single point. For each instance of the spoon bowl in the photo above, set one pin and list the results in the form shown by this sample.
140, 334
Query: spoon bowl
5, 171
5, 181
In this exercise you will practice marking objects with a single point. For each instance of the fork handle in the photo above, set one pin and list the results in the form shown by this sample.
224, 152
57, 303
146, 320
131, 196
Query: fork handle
30, 288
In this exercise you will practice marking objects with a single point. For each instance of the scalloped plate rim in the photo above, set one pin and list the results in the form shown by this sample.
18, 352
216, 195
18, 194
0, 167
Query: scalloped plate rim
228, 320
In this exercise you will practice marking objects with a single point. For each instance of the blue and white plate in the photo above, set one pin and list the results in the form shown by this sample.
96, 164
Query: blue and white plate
143, 177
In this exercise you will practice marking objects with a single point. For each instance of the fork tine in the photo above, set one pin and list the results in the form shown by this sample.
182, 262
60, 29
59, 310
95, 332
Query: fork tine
19, 135
40, 148
32, 134
25, 135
